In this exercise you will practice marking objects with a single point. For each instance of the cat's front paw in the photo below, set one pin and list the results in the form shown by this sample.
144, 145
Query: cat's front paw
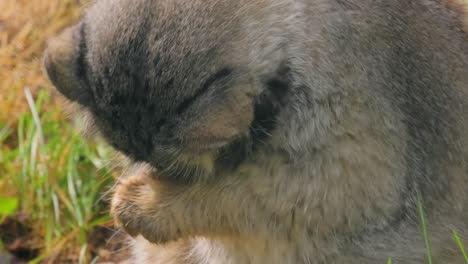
136, 207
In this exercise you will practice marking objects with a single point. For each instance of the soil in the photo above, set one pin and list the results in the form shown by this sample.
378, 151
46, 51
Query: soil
19, 247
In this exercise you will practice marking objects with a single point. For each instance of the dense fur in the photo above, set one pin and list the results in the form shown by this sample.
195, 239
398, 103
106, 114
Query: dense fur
278, 131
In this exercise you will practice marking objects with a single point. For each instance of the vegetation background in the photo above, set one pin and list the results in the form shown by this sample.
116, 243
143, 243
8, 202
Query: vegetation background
53, 183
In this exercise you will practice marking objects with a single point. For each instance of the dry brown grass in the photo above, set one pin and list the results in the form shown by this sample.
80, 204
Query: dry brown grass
25, 26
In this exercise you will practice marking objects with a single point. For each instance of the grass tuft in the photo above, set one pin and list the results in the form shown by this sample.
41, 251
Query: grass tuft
424, 229
460, 245
52, 184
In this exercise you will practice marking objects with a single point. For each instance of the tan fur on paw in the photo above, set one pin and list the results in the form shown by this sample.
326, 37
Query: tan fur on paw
134, 197
136, 207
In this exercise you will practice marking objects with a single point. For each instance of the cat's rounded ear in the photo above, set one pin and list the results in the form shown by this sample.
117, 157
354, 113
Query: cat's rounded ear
64, 63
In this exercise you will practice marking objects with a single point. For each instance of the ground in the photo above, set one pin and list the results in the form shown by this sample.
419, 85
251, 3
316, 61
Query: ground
53, 183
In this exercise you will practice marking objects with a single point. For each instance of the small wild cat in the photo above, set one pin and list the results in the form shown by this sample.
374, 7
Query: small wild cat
278, 131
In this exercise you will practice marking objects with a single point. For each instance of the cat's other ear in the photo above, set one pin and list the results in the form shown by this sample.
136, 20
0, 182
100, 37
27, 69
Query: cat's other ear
65, 64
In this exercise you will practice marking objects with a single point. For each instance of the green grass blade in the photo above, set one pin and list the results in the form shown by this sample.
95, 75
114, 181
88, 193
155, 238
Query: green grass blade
82, 256
55, 203
4, 133
389, 261
95, 260
424, 227
460, 244
8, 206
35, 114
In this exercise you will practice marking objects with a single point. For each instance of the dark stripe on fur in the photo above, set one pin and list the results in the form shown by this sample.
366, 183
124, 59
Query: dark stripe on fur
222, 74
83, 95
267, 107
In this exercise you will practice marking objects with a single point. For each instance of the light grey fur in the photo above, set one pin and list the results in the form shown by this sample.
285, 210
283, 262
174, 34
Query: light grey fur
375, 113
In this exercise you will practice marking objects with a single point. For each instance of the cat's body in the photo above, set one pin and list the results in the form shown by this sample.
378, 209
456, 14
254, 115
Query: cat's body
284, 131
